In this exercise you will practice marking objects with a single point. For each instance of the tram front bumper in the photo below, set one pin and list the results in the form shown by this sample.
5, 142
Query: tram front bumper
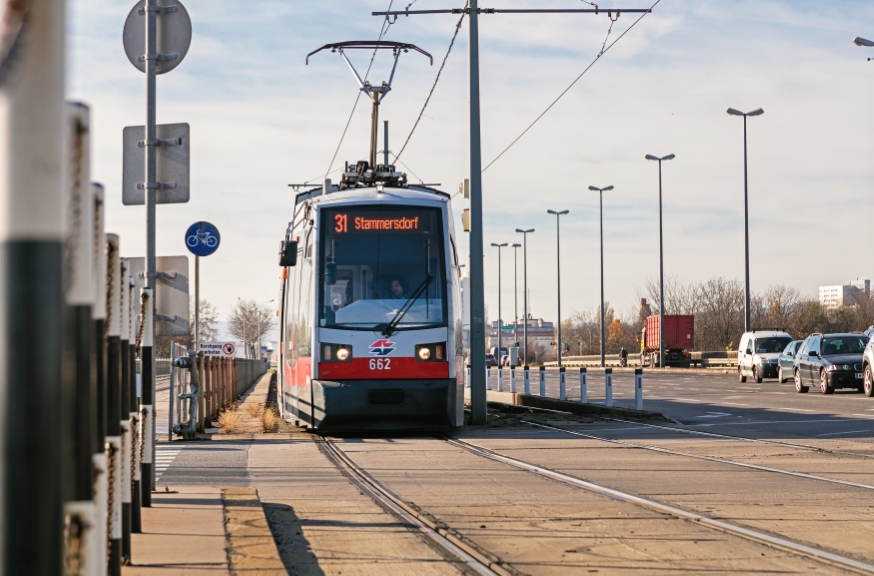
386, 404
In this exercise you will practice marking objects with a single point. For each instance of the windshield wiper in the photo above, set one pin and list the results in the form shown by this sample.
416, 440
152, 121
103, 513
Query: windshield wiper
390, 328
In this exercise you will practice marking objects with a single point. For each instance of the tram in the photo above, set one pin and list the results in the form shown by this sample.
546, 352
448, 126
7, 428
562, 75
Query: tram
371, 311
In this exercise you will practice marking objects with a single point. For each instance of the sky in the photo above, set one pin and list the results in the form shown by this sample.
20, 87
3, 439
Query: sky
261, 119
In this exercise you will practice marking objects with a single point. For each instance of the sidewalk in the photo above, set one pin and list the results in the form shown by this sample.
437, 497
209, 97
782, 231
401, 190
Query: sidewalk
204, 531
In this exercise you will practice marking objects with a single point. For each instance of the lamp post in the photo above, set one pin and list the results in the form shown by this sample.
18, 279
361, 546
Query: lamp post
258, 316
661, 264
862, 42
757, 112
600, 192
525, 234
500, 320
558, 279
515, 295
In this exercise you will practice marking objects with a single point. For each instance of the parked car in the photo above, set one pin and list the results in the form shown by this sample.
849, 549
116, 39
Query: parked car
786, 361
830, 360
868, 368
490, 360
758, 354
505, 360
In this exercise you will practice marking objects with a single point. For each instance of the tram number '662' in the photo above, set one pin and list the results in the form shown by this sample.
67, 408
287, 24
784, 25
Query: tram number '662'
380, 363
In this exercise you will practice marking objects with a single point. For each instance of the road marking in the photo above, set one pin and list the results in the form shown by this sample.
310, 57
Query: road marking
164, 456
732, 397
714, 415
688, 400
799, 409
837, 433
865, 415
735, 404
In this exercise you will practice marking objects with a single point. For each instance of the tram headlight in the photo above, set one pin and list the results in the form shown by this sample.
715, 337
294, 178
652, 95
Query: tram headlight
342, 354
336, 352
424, 353
431, 352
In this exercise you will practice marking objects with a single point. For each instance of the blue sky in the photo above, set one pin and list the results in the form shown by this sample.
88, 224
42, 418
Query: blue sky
260, 119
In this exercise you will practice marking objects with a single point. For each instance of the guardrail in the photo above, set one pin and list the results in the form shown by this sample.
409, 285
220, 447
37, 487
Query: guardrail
703, 359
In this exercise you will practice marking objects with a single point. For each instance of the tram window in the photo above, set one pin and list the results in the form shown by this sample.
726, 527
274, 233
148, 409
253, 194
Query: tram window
377, 258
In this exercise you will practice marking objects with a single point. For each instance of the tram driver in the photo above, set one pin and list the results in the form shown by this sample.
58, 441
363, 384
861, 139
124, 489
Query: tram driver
398, 287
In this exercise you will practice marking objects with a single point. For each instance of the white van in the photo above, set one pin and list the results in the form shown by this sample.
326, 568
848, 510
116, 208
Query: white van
758, 353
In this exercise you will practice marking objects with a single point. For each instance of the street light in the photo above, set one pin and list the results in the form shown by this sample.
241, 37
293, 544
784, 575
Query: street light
558, 259
757, 112
500, 320
515, 296
661, 265
600, 192
525, 234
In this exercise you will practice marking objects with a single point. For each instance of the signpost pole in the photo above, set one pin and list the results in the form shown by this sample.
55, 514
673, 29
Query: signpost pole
197, 302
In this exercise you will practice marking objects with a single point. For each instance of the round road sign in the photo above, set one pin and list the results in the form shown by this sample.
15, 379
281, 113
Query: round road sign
229, 349
174, 35
202, 238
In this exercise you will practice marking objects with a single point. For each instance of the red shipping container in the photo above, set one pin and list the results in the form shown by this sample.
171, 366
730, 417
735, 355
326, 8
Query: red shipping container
679, 333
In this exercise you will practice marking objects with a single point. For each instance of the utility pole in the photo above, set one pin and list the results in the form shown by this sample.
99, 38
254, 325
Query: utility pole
525, 234
500, 318
477, 300
516, 294
558, 216
600, 192
661, 264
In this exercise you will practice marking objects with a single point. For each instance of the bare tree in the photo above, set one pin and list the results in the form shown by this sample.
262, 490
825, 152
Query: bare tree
208, 321
247, 322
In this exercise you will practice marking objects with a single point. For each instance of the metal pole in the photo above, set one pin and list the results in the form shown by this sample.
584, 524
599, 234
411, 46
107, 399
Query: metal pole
661, 279
197, 302
525, 295
385, 142
603, 343
477, 328
746, 237
151, 22
32, 181
558, 283
515, 295
500, 322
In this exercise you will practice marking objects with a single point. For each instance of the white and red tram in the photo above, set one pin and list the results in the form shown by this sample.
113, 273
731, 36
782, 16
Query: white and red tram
371, 311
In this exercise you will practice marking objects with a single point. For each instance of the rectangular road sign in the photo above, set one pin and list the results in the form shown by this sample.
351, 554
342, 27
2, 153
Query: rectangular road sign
171, 293
221, 349
173, 165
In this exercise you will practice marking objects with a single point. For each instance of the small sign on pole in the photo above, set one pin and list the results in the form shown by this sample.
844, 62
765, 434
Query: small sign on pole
220, 349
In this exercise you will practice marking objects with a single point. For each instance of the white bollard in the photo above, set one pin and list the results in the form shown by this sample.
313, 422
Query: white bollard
500, 378
562, 384
584, 387
488, 377
638, 388
542, 381
467, 379
513, 379
526, 379
608, 386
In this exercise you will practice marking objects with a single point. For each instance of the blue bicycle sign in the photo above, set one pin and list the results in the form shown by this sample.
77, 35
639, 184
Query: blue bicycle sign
202, 239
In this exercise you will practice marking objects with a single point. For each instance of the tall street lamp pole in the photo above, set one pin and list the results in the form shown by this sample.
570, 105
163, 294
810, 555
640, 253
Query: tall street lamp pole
500, 319
558, 279
757, 112
516, 294
600, 192
661, 264
525, 234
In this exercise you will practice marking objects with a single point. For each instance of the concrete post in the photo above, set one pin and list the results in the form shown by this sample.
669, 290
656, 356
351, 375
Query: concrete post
147, 348
488, 377
542, 381
526, 378
467, 378
513, 379
638, 388
608, 386
584, 387
562, 384
500, 377
113, 406
98, 315
124, 414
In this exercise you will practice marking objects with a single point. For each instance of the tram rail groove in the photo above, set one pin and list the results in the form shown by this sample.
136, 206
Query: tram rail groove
472, 556
700, 457
776, 542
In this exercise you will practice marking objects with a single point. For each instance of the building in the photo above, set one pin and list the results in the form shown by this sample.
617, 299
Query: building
831, 297
540, 333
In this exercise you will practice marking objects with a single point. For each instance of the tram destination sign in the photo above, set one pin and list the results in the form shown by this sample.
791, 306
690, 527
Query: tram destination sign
360, 221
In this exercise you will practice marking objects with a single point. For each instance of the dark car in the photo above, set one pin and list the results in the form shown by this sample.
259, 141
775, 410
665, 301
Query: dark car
830, 360
490, 360
786, 361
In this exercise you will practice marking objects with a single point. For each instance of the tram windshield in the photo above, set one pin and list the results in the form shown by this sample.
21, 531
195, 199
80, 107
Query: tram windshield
376, 262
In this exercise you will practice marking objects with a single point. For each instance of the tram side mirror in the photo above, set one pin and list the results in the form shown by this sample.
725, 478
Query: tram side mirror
288, 253
330, 274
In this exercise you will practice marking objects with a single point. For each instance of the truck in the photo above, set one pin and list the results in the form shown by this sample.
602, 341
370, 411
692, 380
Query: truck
679, 335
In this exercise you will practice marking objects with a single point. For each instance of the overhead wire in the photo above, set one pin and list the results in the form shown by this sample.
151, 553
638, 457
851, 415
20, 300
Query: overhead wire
566, 90
386, 24
436, 80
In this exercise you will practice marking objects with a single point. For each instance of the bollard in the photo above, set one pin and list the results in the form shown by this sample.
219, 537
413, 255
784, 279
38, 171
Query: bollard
500, 378
513, 379
113, 405
98, 315
146, 420
526, 380
638, 388
124, 416
467, 378
488, 377
608, 386
543, 381
133, 411
584, 386
562, 384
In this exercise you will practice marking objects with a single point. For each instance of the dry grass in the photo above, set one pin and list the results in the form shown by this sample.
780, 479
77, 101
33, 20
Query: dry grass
269, 419
228, 420
253, 410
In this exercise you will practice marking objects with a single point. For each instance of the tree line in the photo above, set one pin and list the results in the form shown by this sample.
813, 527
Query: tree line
718, 307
